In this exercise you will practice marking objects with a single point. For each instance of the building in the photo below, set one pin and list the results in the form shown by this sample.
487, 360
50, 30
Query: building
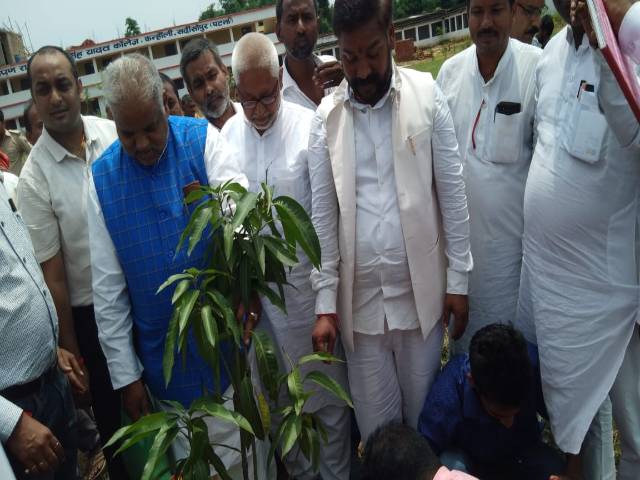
11, 47
164, 48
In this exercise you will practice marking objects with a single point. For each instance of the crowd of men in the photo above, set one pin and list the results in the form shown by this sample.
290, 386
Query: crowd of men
499, 201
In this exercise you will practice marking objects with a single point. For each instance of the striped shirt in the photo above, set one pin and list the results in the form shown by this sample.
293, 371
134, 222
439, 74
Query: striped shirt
28, 321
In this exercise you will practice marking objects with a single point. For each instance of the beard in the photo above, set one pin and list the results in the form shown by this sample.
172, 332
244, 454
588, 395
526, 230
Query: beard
302, 50
372, 88
216, 111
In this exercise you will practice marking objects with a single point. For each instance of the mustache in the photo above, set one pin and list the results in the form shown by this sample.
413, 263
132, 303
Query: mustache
487, 32
371, 79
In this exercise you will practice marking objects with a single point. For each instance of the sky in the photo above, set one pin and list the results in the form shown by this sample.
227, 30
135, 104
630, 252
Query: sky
69, 22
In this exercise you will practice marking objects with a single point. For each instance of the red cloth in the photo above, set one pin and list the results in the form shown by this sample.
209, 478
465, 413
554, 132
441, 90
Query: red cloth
4, 161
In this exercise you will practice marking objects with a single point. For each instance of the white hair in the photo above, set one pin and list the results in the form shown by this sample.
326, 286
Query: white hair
131, 79
254, 50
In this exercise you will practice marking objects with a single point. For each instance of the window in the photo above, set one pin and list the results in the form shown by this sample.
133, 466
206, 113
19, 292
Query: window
398, 34
86, 68
179, 83
24, 84
446, 25
170, 49
4, 89
436, 29
424, 32
459, 22
410, 33
465, 21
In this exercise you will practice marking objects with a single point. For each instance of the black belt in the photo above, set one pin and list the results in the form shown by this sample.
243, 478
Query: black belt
18, 392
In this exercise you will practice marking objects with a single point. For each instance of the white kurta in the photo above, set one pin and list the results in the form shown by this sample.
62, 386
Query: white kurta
496, 151
579, 288
279, 158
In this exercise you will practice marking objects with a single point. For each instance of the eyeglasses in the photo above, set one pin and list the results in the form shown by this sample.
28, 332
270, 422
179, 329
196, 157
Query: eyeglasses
532, 12
266, 101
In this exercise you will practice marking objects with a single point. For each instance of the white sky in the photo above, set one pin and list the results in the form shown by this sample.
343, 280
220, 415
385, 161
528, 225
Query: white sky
70, 22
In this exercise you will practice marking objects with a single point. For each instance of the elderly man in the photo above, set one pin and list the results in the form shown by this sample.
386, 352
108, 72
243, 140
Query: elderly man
271, 139
51, 185
306, 77
490, 90
37, 420
380, 147
526, 19
32, 123
15, 146
136, 217
579, 284
207, 80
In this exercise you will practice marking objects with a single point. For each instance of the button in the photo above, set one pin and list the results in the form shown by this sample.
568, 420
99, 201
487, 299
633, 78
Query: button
170, 253
44, 292
2, 224
163, 214
24, 259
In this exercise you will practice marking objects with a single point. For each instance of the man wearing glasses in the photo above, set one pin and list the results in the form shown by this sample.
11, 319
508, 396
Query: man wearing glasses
271, 140
526, 19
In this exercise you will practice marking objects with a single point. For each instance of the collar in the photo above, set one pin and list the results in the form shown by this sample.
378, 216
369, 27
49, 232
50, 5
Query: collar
394, 88
57, 151
584, 45
503, 63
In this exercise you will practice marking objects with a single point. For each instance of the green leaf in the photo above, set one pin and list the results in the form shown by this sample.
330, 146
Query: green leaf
319, 357
173, 279
249, 408
258, 243
296, 392
200, 219
210, 326
168, 356
214, 409
187, 302
273, 297
217, 463
243, 207
293, 216
265, 413
227, 314
229, 233
290, 433
194, 196
280, 250
182, 287
161, 443
234, 187
330, 385
267, 363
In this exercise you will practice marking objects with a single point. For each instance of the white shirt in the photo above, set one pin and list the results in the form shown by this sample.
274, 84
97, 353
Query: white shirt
291, 92
382, 286
10, 184
579, 293
110, 294
52, 199
629, 35
278, 157
496, 152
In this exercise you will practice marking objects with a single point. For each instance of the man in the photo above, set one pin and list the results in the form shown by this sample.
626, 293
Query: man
579, 284
37, 421
32, 123
490, 90
189, 107
397, 451
51, 186
271, 138
481, 413
374, 182
15, 146
173, 99
545, 33
306, 77
625, 20
207, 80
136, 216
526, 19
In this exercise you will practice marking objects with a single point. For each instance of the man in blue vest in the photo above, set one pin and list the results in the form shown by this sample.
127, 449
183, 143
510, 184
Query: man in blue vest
136, 216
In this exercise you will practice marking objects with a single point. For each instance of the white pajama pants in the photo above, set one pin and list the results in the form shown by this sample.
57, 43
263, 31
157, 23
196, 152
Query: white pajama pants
623, 406
391, 374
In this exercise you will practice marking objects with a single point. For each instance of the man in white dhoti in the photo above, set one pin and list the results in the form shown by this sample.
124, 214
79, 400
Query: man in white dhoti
386, 176
490, 90
271, 139
579, 290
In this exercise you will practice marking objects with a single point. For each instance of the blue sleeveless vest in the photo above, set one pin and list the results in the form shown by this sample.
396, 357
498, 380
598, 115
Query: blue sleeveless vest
145, 214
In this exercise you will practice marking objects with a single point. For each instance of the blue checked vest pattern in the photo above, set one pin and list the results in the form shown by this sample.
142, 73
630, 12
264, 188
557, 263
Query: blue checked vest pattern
145, 214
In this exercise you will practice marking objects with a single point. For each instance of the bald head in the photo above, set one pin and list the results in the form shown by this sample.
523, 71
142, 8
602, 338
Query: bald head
254, 51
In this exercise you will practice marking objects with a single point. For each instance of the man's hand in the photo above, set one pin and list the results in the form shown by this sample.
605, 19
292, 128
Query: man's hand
616, 10
75, 373
328, 75
458, 305
35, 447
324, 334
253, 317
135, 400
580, 14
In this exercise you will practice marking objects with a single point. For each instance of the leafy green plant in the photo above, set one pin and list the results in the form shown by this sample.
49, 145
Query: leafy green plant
253, 239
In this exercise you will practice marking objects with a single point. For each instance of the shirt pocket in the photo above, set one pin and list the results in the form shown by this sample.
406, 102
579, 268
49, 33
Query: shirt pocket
420, 141
506, 138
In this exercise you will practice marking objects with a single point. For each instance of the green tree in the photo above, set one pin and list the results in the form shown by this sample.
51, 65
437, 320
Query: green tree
131, 27
325, 14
